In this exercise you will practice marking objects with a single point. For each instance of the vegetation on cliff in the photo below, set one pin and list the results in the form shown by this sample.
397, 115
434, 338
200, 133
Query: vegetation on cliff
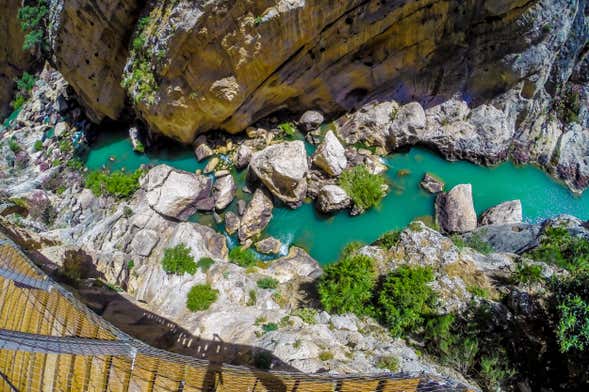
178, 260
118, 183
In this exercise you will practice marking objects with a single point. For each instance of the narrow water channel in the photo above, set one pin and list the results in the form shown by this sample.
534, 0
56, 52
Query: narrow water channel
325, 237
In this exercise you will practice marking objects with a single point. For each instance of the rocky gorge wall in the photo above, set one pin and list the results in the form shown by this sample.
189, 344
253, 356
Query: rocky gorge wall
13, 60
225, 64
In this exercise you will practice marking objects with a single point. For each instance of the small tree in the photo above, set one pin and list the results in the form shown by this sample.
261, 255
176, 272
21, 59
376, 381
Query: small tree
178, 260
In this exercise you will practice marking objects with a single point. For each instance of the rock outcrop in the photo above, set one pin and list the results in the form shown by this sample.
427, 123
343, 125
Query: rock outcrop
455, 210
89, 44
13, 59
177, 194
283, 169
509, 212
330, 155
334, 56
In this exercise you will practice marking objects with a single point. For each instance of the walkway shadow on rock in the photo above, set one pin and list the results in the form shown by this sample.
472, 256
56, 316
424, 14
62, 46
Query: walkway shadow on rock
161, 333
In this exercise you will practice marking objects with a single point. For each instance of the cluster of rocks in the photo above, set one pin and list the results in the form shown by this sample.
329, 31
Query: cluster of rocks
455, 212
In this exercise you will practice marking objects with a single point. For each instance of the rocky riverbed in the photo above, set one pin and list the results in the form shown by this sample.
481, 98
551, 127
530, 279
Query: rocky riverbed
296, 103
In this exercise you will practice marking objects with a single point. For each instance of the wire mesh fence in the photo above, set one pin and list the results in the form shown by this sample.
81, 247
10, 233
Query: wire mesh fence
49, 341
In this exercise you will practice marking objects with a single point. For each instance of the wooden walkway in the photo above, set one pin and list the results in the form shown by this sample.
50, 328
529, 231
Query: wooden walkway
49, 341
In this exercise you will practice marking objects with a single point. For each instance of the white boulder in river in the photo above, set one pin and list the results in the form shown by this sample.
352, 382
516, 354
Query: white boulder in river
330, 155
455, 211
509, 212
175, 193
283, 168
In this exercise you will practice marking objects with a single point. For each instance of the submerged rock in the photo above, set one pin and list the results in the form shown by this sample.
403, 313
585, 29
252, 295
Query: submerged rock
330, 155
332, 198
455, 211
256, 217
283, 169
509, 212
175, 193
268, 245
432, 184
224, 191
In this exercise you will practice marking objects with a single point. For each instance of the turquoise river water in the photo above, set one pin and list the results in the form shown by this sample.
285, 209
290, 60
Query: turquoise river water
325, 237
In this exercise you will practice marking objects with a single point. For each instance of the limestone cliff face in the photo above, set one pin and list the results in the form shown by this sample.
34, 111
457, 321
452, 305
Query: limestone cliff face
224, 64
13, 60
89, 41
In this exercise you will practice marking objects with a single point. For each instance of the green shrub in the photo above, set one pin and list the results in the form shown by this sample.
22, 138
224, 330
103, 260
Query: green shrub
269, 327
253, 297
474, 241
288, 129
477, 291
455, 347
389, 363
526, 274
38, 146
389, 239
18, 101
559, 247
26, 83
325, 355
14, 146
494, 372
346, 286
200, 297
406, 299
267, 283
32, 22
308, 315
573, 325
364, 188
205, 263
178, 260
130, 265
118, 184
351, 248
243, 257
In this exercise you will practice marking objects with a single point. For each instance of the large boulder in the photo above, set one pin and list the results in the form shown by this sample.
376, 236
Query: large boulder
509, 212
177, 194
330, 155
224, 191
283, 168
256, 217
455, 211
